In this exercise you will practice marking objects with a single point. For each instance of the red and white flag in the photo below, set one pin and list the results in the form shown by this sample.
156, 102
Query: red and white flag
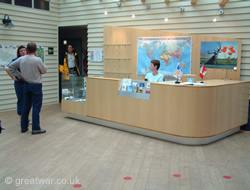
203, 71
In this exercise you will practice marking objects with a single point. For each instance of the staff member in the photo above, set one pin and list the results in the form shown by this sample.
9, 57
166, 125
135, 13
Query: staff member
70, 62
155, 76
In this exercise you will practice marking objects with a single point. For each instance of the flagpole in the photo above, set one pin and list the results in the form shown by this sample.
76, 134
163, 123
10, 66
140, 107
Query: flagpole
177, 81
201, 80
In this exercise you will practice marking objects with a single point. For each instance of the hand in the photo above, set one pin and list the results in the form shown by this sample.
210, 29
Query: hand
16, 79
63, 72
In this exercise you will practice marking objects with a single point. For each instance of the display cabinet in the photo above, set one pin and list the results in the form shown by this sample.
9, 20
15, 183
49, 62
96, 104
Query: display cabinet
74, 88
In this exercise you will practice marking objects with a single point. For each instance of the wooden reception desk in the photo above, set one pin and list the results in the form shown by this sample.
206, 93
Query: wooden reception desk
191, 115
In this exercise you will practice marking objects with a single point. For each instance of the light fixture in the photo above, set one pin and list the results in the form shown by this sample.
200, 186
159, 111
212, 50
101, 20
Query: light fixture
133, 15
118, 4
7, 21
65, 42
166, 19
182, 9
214, 20
221, 12
105, 12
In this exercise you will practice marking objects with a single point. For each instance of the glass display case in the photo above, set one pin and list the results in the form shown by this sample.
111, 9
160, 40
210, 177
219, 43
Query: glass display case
74, 88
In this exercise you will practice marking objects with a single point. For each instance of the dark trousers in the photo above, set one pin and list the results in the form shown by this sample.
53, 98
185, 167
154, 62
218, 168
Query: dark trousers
19, 94
32, 96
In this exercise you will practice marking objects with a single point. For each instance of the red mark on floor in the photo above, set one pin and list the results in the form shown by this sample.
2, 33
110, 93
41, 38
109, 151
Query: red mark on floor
127, 178
177, 175
77, 186
227, 177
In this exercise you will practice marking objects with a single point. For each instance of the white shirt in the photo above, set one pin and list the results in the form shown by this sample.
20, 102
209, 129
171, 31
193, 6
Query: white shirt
152, 78
71, 61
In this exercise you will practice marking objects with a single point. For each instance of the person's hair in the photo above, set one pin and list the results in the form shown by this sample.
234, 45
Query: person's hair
18, 50
31, 47
156, 62
71, 46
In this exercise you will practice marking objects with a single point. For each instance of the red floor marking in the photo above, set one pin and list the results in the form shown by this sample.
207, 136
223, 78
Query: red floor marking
177, 175
77, 185
127, 178
227, 177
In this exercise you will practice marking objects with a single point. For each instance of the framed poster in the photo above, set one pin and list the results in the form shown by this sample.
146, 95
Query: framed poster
219, 55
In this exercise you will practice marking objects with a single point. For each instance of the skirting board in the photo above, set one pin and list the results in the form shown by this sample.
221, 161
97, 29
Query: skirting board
158, 135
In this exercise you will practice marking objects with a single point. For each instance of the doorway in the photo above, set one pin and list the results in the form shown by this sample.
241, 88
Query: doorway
77, 36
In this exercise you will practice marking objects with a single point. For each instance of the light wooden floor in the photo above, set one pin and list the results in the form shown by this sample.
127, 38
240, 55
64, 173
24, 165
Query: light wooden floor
100, 158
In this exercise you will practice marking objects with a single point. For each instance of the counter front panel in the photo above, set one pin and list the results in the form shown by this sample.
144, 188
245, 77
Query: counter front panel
183, 111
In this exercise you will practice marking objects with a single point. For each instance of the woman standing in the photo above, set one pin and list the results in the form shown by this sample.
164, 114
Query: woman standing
18, 84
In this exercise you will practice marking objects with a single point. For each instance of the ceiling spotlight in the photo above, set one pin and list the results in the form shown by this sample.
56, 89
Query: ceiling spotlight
105, 12
133, 15
182, 9
221, 11
214, 20
166, 19
7, 22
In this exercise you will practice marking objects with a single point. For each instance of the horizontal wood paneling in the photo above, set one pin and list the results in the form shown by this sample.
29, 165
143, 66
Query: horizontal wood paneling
196, 19
38, 26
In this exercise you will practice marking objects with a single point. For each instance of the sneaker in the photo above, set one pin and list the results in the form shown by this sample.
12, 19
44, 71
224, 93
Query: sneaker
34, 132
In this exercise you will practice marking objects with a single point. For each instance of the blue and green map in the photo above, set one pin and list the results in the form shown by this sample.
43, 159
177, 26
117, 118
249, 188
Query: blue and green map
170, 51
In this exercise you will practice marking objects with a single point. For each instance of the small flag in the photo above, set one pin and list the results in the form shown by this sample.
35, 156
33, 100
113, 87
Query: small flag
203, 71
178, 72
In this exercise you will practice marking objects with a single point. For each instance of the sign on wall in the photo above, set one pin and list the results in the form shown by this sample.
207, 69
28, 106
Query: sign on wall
9, 52
170, 51
96, 56
50, 50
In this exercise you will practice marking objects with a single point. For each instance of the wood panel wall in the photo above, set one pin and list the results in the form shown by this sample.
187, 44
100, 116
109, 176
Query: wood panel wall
196, 19
31, 25
120, 42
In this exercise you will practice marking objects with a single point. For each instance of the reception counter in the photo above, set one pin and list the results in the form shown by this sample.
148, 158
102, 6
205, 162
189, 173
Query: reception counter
185, 114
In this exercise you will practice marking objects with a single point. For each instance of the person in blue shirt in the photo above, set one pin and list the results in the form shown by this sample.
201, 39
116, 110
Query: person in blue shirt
18, 84
155, 76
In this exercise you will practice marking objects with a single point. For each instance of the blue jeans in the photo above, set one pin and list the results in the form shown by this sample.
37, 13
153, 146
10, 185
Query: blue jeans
33, 96
19, 94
